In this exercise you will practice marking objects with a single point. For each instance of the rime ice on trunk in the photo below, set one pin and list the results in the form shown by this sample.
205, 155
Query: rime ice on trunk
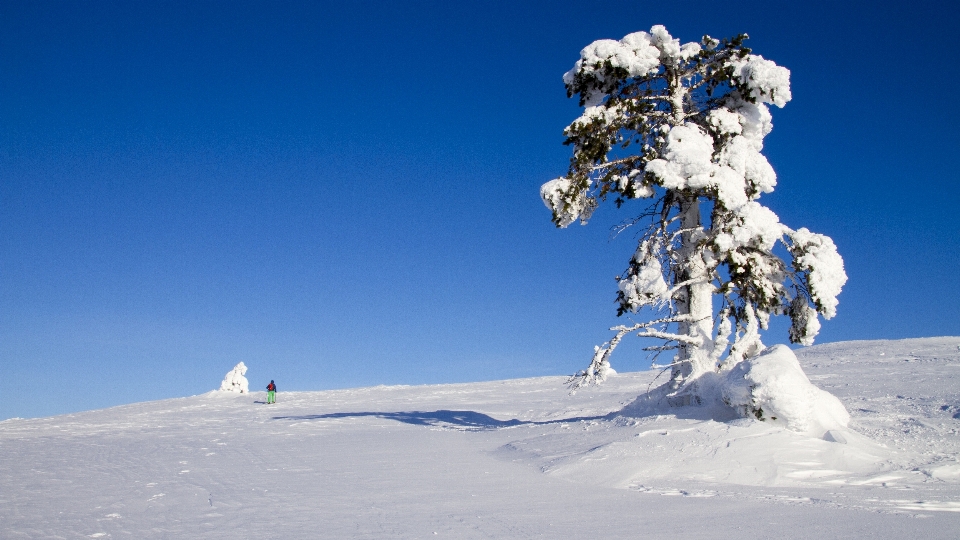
694, 300
682, 127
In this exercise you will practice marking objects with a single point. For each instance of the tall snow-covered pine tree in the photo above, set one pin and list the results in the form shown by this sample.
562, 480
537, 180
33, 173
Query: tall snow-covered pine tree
681, 128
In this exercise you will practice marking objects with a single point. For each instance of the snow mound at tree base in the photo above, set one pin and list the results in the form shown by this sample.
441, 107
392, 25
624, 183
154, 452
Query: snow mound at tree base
760, 423
772, 387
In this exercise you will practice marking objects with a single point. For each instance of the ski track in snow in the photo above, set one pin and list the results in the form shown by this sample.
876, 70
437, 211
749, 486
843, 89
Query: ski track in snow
503, 459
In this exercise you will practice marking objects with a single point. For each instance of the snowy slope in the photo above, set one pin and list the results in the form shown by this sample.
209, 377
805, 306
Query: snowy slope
504, 459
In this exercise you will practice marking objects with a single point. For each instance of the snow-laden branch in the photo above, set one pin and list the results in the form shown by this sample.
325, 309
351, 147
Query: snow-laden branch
599, 366
668, 336
665, 320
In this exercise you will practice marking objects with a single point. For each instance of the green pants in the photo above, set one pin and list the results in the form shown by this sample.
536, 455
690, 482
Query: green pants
271, 397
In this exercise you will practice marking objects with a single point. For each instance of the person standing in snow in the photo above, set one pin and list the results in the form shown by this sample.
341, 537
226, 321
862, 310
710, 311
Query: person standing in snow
271, 392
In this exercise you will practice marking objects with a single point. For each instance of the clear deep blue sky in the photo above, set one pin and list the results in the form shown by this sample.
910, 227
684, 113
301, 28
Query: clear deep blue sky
345, 194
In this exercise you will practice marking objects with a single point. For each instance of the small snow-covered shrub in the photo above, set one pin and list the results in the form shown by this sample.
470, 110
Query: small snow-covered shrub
235, 381
772, 387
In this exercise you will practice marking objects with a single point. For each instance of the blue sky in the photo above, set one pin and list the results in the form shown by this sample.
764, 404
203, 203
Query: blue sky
346, 194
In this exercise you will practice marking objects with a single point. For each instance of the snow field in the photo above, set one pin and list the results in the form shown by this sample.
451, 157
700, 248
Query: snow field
503, 459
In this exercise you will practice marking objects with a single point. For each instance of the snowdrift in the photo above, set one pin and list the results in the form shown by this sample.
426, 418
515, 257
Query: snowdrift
772, 387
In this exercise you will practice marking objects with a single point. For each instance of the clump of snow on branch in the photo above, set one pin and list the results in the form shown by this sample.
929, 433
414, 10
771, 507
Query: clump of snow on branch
555, 195
755, 118
599, 114
647, 286
634, 53
724, 121
688, 160
751, 225
817, 255
235, 381
767, 82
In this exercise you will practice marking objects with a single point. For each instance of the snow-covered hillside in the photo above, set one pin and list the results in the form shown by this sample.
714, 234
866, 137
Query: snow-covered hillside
504, 459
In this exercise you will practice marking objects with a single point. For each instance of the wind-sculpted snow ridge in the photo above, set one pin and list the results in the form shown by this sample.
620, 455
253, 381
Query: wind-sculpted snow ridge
505, 459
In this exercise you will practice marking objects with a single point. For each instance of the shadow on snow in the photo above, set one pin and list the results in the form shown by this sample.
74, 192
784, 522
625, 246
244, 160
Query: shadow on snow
465, 420
649, 404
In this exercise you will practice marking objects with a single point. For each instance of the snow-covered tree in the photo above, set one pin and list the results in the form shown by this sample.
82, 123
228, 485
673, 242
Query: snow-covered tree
681, 128
234, 380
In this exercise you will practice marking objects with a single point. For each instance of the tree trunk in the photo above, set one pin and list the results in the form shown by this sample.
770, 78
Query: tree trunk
696, 299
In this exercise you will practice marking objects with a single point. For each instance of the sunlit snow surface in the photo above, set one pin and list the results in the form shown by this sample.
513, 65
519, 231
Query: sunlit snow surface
505, 459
